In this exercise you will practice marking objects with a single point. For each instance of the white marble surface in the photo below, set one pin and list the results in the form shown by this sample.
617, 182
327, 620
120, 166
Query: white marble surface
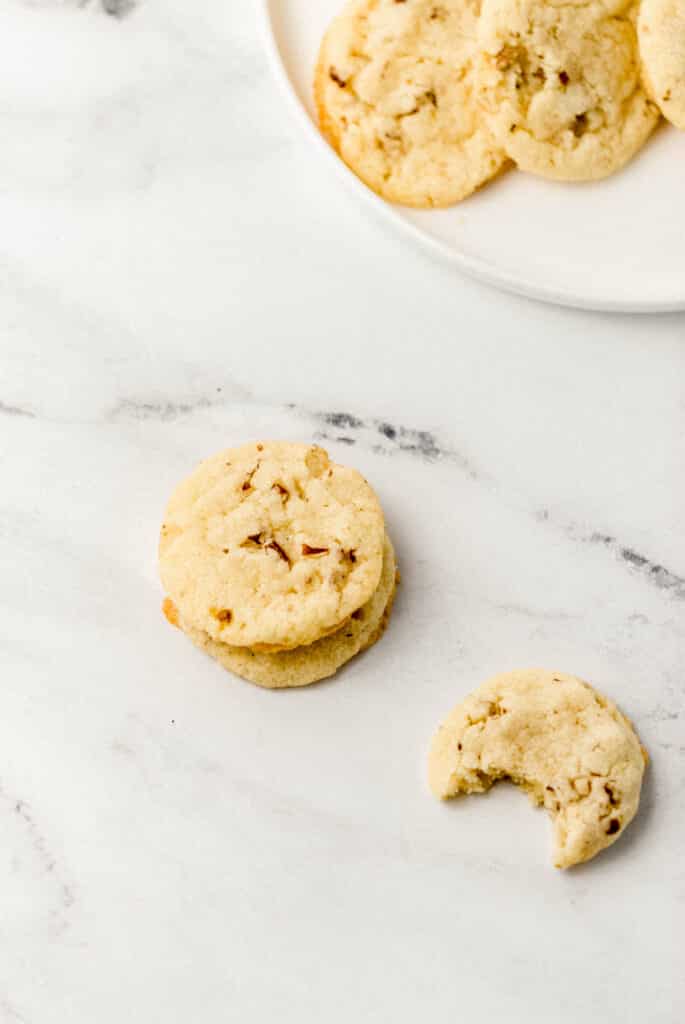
177, 274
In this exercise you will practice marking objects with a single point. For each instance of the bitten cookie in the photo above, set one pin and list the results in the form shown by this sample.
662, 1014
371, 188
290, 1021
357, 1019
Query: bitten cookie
661, 32
317, 661
271, 546
560, 85
394, 93
553, 735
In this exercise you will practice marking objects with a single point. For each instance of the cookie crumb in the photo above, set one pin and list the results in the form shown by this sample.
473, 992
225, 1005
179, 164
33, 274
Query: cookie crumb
170, 611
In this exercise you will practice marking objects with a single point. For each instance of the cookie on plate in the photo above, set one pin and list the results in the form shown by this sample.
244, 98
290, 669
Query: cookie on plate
560, 85
556, 737
318, 660
661, 33
271, 545
394, 93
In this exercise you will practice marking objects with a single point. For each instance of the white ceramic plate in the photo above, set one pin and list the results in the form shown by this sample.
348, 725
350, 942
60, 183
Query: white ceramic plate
614, 245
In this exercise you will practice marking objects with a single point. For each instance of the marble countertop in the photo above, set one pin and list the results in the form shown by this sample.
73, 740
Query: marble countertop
177, 274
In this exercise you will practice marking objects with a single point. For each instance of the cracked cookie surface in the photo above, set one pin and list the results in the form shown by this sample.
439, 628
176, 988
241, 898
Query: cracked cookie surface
661, 33
395, 96
310, 664
271, 545
568, 746
560, 85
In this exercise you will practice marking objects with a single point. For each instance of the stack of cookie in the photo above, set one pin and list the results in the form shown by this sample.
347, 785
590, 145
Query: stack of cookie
275, 561
426, 100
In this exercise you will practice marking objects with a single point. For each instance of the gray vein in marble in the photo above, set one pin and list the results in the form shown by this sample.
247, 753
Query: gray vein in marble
383, 438
386, 438
328, 827
152, 752
662, 714
427, 446
118, 8
15, 410
678, 748
161, 412
155, 754
115, 8
534, 613
657, 574
167, 410
39, 844
9, 1014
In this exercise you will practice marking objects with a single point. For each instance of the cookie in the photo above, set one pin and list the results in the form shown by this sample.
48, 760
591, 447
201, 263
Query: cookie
560, 85
271, 544
553, 735
661, 33
394, 93
317, 661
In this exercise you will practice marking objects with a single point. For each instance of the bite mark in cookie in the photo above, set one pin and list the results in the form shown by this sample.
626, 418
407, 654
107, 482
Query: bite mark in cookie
554, 736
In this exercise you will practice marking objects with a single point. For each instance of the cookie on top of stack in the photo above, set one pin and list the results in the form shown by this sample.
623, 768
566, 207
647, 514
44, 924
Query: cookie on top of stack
275, 561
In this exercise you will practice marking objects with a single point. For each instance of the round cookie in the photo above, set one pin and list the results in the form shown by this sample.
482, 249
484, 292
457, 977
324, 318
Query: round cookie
394, 93
317, 661
554, 736
560, 85
271, 544
661, 33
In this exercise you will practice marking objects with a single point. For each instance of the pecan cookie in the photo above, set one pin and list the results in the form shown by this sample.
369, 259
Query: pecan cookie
394, 93
304, 665
271, 545
661, 32
560, 85
556, 737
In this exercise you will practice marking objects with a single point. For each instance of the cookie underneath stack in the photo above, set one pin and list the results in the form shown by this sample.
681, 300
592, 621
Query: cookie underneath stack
275, 561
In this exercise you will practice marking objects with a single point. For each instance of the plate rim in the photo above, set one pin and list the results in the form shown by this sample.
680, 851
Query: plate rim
478, 269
